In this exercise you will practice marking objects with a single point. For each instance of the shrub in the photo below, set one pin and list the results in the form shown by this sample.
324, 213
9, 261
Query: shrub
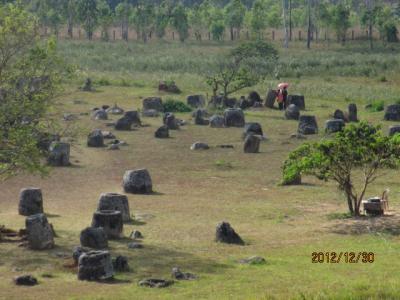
103, 82
172, 105
377, 105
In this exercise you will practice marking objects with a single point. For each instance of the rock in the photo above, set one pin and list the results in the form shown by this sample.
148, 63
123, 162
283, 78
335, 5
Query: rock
338, 114
196, 100
151, 113
202, 111
137, 182
217, 121
169, 87
234, 117
251, 144
153, 103
95, 265
94, 237
244, 103
254, 97
120, 264
229, 102
136, 234
40, 233
335, 125
252, 128
179, 275
134, 117
199, 146
100, 115
108, 135
298, 136
226, 234
69, 117
155, 283
105, 107
253, 260
58, 155
88, 85
30, 202
134, 245
394, 129
392, 112
110, 221
115, 110
27, 280
216, 101
353, 113
257, 105
292, 112
95, 139
225, 146
270, 100
77, 252
307, 125
162, 132
170, 121
199, 118
297, 100
123, 123
113, 201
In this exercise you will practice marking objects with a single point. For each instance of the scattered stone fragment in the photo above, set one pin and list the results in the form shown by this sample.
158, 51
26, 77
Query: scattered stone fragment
137, 182
40, 234
95, 265
136, 234
58, 155
298, 136
30, 201
297, 100
155, 283
115, 110
199, 146
196, 100
335, 125
110, 221
225, 146
252, 128
292, 112
253, 260
394, 129
134, 245
27, 280
392, 113
251, 144
153, 103
114, 201
217, 121
100, 114
199, 117
169, 87
226, 234
150, 113
307, 125
88, 85
254, 98
120, 264
170, 121
108, 135
94, 237
113, 147
69, 117
179, 275
234, 117
77, 252
339, 114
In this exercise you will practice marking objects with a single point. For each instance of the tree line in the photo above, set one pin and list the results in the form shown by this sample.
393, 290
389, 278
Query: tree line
215, 18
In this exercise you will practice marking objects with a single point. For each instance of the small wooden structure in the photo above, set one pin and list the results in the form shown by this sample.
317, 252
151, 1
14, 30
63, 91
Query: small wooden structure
376, 206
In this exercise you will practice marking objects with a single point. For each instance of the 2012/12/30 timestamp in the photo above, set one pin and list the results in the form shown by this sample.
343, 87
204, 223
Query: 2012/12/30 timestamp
342, 257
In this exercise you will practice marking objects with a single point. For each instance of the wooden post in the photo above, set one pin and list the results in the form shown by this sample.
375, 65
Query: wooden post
273, 35
352, 35
114, 35
299, 35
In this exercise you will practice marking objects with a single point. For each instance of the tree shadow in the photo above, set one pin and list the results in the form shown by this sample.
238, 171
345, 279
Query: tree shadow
386, 224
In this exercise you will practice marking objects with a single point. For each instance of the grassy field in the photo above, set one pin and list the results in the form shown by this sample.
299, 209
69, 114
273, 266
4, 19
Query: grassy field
197, 190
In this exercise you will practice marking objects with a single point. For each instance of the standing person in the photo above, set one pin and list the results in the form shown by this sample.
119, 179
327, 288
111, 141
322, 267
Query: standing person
284, 97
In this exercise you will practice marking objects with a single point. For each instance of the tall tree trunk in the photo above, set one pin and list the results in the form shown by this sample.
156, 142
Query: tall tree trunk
290, 20
70, 27
232, 35
309, 25
369, 5
284, 6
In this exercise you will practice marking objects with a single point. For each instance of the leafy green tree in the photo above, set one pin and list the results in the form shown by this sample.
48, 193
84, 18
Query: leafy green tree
352, 157
69, 11
216, 23
163, 13
88, 15
143, 19
196, 22
106, 18
258, 18
30, 73
179, 21
234, 17
123, 13
340, 21
245, 66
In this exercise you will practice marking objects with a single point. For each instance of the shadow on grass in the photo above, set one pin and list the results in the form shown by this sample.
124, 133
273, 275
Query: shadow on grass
388, 224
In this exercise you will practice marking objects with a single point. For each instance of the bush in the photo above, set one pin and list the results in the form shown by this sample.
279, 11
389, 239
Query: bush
103, 82
172, 105
376, 106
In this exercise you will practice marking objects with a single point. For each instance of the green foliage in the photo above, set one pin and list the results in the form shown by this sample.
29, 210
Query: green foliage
234, 16
88, 15
359, 148
179, 21
106, 18
30, 72
171, 105
340, 20
143, 18
376, 106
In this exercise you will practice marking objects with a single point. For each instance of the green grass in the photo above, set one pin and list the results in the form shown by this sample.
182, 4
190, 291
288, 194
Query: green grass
197, 190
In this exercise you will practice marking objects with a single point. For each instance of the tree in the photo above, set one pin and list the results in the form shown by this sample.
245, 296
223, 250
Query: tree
234, 17
123, 13
352, 157
258, 20
88, 14
163, 14
30, 73
105, 18
143, 19
340, 21
69, 13
196, 22
243, 67
179, 21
